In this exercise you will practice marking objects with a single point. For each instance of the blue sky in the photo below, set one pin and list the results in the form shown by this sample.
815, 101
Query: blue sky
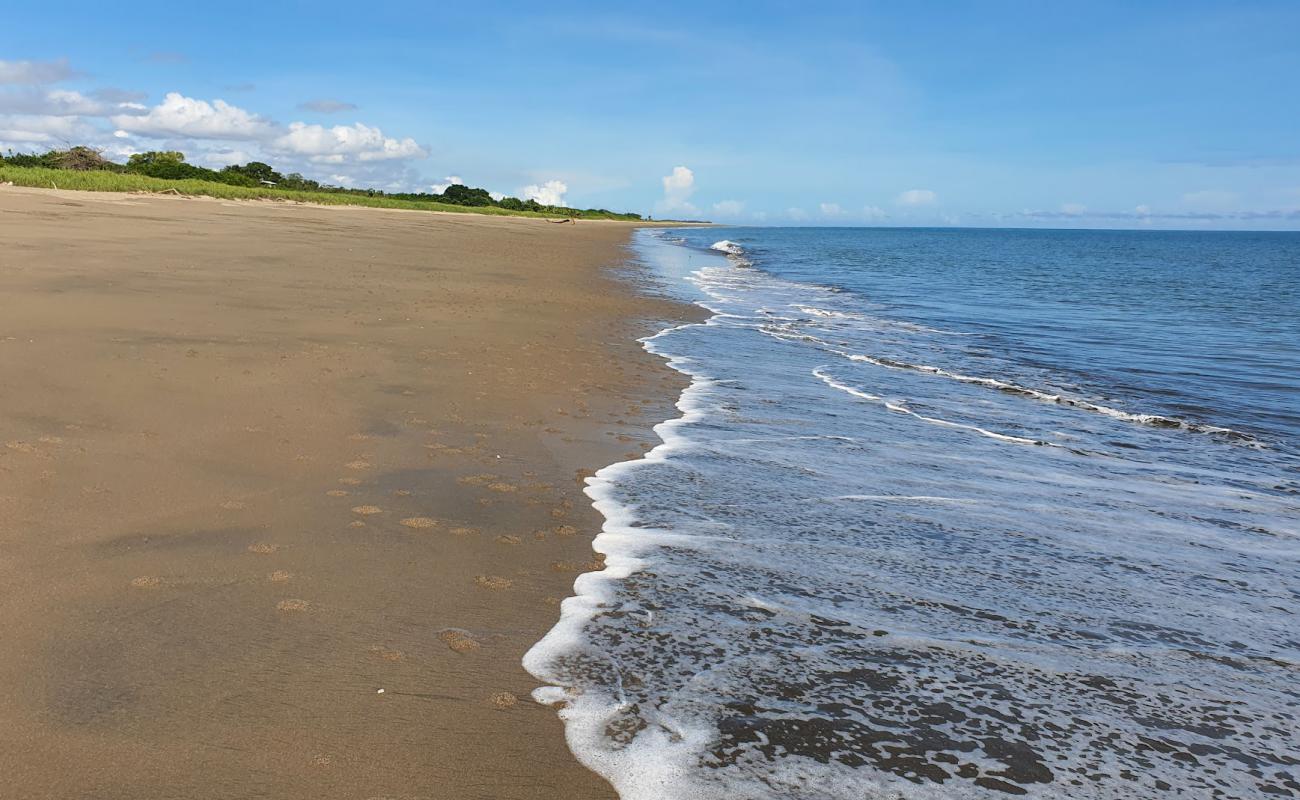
1096, 114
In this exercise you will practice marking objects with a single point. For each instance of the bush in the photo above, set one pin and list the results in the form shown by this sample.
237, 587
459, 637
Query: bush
466, 196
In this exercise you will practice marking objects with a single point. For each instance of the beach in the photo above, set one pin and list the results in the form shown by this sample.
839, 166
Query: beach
287, 491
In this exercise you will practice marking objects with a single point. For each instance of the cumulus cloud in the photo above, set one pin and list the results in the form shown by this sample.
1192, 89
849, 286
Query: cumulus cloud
830, 209
917, 197
449, 181
1073, 209
54, 102
873, 213
550, 193
679, 185
209, 132
327, 106
35, 73
181, 116
336, 144
796, 214
42, 129
729, 208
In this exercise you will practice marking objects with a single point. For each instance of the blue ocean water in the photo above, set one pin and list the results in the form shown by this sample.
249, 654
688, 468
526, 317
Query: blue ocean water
954, 513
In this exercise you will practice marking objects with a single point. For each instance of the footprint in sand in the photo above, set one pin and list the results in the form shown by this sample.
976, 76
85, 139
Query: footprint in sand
463, 531
504, 488
386, 654
356, 523
146, 582
459, 641
493, 582
338, 493
420, 522
565, 530
401, 493
509, 540
350, 481
262, 548
503, 700
358, 464
366, 511
279, 576
293, 605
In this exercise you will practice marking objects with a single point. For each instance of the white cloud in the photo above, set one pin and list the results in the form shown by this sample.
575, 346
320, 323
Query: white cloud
327, 106
550, 193
209, 132
796, 214
679, 185
333, 145
216, 159
873, 213
1073, 209
831, 209
450, 180
729, 208
43, 129
1143, 210
35, 73
917, 197
57, 102
178, 115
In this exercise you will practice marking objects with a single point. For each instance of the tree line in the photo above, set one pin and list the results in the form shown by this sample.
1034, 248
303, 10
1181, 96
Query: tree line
171, 165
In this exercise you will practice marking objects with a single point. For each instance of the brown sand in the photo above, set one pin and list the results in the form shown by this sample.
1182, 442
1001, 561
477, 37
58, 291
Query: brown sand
255, 457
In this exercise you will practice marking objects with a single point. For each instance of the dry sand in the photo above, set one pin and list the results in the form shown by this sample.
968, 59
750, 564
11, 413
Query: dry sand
258, 462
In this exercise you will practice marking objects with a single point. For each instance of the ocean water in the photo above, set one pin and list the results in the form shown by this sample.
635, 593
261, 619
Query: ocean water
958, 514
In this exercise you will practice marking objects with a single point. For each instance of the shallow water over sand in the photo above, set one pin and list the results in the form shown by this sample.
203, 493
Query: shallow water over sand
923, 531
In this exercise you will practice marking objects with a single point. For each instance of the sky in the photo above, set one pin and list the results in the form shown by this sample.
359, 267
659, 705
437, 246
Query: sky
1151, 114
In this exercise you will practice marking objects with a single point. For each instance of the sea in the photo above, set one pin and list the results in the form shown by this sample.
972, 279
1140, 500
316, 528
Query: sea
953, 514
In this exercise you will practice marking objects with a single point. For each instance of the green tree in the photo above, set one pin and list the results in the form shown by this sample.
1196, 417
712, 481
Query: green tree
256, 170
140, 161
466, 196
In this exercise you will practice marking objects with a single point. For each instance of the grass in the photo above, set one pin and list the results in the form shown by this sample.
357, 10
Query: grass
103, 181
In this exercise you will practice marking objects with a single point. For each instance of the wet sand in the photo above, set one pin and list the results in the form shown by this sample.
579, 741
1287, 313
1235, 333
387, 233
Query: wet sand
259, 462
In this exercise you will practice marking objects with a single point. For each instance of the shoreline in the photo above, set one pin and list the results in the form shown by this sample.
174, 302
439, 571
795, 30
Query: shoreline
262, 461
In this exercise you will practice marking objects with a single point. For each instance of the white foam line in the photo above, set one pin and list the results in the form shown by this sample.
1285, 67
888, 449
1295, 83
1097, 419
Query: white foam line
901, 409
994, 383
656, 765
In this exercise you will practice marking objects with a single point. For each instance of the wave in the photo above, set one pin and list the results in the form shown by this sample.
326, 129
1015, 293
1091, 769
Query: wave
729, 247
902, 409
784, 332
891, 323
1154, 420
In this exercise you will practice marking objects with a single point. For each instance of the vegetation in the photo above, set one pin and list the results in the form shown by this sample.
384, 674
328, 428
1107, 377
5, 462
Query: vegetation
167, 171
